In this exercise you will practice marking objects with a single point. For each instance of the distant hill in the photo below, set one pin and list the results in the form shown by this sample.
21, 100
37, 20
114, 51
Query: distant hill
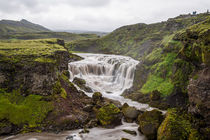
11, 26
68, 37
25, 30
99, 33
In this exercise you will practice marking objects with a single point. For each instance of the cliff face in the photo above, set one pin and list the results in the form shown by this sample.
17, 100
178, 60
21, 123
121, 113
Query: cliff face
35, 92
32, 72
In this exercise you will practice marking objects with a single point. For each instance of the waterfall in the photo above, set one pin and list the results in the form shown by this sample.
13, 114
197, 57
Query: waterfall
110, 74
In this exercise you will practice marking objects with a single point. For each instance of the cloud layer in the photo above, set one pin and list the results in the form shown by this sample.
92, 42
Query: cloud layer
98, 15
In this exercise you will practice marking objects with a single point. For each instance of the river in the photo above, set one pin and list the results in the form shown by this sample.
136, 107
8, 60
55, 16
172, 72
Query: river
110, 75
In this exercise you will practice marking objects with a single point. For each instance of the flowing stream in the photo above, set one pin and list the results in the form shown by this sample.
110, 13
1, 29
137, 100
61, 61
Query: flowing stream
110, 75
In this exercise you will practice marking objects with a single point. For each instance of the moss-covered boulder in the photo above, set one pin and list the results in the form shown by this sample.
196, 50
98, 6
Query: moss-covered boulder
177, 126
109, 116
149, 122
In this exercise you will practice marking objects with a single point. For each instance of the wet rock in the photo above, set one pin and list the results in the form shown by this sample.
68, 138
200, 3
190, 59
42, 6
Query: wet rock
109, 116
88, 108
130, 113
149, 122
132, 132
125, 139
92, 123
84, 131
70, 137
81, 83
110, 101
97, 96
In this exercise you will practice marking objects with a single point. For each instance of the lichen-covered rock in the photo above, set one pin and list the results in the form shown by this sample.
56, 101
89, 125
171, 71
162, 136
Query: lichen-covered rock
177, 126
109, 116
149, 122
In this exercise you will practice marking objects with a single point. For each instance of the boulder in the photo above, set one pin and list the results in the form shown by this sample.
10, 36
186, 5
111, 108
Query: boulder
130, 113
109, 116
149, 122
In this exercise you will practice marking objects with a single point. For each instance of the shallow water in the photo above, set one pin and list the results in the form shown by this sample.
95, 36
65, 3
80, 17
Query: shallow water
110, 75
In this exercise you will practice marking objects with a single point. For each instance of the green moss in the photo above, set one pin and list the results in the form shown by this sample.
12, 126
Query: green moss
41, 50
176, 126
107, 114
44, 60
160, 76
164, 86
63, 93
30, 110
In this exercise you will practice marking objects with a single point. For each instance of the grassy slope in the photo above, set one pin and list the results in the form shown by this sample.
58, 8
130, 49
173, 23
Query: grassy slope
136, 40
31, 50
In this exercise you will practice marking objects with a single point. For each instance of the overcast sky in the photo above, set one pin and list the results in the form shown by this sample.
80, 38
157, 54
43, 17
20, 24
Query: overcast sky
97, 15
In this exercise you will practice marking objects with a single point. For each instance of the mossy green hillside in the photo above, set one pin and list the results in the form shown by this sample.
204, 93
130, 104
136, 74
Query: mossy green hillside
20, 110
32, 50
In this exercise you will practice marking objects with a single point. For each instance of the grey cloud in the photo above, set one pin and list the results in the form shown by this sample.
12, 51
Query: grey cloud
104, 15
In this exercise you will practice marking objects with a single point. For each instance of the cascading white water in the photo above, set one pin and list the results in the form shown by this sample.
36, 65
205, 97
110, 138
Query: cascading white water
105, 73
108, 74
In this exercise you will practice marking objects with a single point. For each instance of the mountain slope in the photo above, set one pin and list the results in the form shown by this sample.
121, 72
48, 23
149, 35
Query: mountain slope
10, 26
139, 39
161, 48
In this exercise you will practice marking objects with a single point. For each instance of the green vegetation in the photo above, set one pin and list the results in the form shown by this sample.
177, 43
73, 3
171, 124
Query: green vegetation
164, 86
19, 110
177, 126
